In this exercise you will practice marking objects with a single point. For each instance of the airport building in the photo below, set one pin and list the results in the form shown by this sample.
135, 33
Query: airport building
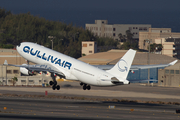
168, 45
177, 46
103, 29
169, 77
155, 33
88, 47
171, 46
8, 72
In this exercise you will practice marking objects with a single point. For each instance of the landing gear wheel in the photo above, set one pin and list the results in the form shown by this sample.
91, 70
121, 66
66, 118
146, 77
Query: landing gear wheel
54, 87
58, 87
51, 82
54, 82
84, 87
88, 87
81, 84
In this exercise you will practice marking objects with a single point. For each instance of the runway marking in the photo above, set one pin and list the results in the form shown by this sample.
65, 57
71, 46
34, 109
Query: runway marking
72, 106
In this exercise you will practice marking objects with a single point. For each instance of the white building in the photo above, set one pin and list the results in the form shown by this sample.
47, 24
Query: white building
155, 33
88, 47
103, 29
168, 46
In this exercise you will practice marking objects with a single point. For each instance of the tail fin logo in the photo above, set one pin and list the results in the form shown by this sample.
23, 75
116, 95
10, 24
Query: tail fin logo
122, 65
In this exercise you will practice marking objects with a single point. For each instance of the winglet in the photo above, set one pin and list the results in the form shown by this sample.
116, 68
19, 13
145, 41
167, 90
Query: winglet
174, 62
5, 62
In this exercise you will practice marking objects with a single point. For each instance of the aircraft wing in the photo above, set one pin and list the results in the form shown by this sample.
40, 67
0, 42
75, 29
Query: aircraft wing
136, 67
38, 68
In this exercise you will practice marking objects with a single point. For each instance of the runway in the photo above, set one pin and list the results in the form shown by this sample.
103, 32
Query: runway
25, 103
130, 92
51, 109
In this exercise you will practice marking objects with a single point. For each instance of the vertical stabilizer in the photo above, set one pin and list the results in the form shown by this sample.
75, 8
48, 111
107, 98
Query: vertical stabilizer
121, 69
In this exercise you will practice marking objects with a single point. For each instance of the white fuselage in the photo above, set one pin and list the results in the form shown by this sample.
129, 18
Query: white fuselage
72, 68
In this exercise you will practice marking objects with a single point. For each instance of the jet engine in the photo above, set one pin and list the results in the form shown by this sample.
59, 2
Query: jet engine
26, 71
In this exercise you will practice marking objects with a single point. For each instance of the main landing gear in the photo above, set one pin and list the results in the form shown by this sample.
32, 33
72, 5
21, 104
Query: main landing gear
85, 86
54, 83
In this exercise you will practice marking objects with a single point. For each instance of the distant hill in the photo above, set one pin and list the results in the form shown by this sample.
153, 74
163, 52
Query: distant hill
17, 28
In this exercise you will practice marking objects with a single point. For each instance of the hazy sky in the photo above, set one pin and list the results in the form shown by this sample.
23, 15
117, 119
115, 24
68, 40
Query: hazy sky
40, 5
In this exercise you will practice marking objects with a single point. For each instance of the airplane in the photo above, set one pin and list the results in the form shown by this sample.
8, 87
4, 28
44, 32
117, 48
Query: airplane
69, 68
58, 64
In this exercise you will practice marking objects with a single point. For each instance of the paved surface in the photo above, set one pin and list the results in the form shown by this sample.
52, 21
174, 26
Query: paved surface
55, 108
49, 109
130, 92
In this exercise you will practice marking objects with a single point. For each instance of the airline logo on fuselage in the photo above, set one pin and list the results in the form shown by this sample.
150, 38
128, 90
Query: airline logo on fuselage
50, 58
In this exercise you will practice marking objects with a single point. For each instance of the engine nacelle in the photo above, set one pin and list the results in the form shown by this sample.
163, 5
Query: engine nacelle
26, 71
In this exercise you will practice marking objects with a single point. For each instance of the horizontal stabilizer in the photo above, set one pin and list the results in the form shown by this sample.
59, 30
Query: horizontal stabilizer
109, 80
174, 62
